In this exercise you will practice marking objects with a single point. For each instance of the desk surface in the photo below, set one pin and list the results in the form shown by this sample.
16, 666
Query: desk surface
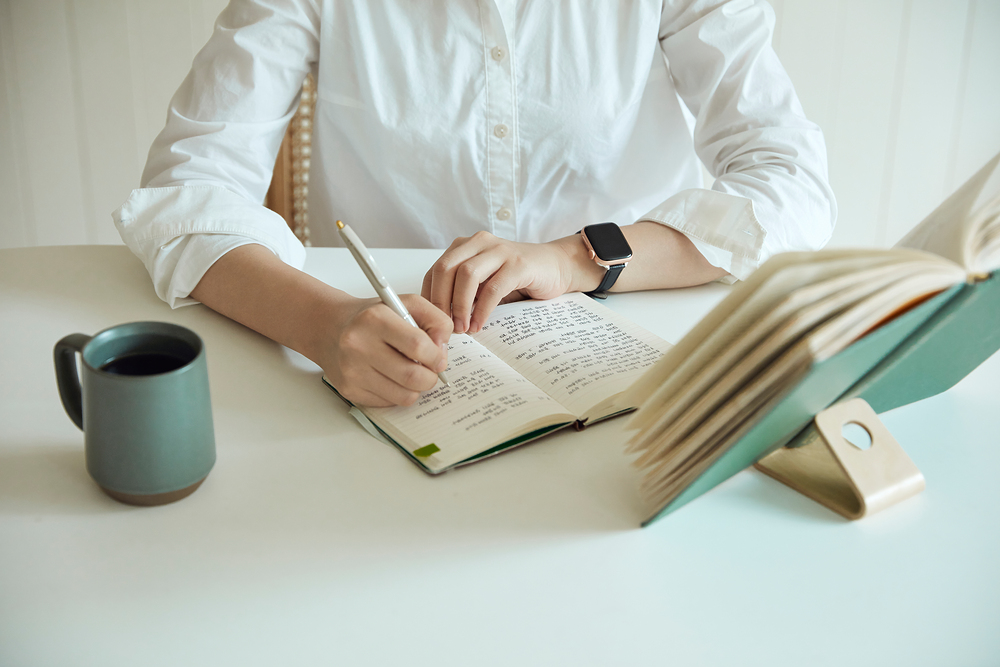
312, 543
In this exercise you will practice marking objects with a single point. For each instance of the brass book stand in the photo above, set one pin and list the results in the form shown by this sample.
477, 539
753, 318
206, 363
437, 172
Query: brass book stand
823, 465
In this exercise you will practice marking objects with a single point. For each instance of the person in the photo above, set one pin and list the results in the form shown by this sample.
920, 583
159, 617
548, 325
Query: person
495, 128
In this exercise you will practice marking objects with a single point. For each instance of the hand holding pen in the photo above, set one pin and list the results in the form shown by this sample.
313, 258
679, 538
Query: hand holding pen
377, 279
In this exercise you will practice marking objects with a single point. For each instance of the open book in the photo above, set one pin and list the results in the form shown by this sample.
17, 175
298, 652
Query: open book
809, 329
535, 367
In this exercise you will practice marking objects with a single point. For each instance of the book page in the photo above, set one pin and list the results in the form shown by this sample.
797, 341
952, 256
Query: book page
962, 228
699, 434
800, 312
487, 404
580, 352
825, 338
750, 302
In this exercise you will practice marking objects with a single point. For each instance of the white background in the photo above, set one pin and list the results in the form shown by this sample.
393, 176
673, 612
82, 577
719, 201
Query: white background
907, 92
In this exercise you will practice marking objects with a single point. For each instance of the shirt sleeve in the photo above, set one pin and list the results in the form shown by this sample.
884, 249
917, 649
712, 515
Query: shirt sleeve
771, 192
209, 169
180, 231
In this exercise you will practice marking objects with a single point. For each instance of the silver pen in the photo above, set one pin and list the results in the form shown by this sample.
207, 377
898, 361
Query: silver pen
377, 279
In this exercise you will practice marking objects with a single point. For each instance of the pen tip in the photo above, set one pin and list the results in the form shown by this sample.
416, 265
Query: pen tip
340, 225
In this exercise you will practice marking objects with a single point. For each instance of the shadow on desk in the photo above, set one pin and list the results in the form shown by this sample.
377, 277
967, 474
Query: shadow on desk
769, 495
559, 486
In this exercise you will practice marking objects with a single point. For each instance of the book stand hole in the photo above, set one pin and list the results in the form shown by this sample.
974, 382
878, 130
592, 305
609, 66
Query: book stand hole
857, 435
834, 462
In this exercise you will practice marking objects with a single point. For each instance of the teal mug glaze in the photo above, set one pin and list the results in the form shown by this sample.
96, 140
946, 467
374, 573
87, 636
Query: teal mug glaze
142, 401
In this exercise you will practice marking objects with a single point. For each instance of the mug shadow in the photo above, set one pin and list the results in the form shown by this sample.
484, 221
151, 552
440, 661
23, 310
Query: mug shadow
50, 480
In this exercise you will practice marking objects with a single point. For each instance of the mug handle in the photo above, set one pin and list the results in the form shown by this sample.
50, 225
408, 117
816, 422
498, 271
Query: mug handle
66, 375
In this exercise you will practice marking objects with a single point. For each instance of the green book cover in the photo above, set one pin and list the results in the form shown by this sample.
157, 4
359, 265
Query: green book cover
962, 334
921, 353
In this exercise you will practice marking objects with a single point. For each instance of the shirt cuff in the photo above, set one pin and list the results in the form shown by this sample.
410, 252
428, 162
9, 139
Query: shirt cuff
179, 232
722, 227
716, 257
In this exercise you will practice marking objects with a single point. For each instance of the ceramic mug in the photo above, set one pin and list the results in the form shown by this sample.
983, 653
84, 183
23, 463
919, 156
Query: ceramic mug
142, 401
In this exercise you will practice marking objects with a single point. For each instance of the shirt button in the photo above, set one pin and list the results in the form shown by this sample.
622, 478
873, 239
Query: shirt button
503, 214
500, 130
498, 53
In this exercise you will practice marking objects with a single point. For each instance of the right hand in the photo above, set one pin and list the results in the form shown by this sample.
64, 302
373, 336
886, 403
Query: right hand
379, 360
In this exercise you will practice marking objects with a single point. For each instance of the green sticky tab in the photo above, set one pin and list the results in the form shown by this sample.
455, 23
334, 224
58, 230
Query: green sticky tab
427, 450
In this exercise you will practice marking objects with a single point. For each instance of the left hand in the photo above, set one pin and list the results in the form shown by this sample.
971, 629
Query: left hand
477, 273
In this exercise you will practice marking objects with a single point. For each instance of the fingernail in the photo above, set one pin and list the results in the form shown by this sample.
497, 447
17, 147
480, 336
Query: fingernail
459, 328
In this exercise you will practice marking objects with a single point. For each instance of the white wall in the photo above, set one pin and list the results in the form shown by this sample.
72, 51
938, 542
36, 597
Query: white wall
84, 87
907, 92
908, 95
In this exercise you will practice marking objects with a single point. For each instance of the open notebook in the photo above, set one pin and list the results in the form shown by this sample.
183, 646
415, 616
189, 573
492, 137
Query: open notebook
536, 366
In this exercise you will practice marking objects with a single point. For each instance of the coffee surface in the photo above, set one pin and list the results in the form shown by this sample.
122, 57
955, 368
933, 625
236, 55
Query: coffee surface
143, 363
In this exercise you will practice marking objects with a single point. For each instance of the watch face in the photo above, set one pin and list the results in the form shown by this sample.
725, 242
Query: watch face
608, 242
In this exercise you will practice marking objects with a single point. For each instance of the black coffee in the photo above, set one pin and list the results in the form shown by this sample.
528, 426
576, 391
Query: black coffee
143, 363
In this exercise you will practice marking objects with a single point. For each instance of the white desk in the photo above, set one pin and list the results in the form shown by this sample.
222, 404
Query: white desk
311, 543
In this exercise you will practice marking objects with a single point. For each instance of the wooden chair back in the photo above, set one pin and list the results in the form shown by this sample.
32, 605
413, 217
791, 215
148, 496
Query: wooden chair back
289, 189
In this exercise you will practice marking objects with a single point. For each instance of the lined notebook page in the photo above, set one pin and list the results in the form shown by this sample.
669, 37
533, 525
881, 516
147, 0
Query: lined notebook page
487, 404
576, 350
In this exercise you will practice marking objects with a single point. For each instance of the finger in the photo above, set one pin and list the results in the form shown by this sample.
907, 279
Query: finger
425, 289
370, 400
516, 295
438, 279
386, 371
410, 356
443, 271
361, 384
428, 317
399, 379
365, 398
499, 286
469, 277
383, 340
381, 391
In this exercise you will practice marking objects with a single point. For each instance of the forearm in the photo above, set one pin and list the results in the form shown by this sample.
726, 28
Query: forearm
253, 287
662, 258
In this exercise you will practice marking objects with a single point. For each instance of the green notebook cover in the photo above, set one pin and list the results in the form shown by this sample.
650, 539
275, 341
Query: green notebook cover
374, 430
921, 353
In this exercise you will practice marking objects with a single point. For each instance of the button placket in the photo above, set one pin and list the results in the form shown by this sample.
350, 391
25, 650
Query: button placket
501, 123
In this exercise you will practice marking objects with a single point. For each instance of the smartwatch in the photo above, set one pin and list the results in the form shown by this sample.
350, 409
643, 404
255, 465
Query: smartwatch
608, 248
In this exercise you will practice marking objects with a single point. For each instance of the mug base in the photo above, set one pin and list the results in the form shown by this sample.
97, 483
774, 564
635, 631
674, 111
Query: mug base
153, 499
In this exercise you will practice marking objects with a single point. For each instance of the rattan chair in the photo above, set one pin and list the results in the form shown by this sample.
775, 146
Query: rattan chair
287, 195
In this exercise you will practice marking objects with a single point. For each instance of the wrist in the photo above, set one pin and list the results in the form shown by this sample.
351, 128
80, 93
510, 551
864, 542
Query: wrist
581, 273
322, 322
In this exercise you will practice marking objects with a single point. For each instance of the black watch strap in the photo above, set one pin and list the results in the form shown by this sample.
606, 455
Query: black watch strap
610, 276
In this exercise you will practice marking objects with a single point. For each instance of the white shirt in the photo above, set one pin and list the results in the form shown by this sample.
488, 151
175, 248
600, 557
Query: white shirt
530, 120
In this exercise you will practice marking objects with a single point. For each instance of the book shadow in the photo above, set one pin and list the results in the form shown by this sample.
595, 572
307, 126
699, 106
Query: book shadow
774, 496
566, 483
